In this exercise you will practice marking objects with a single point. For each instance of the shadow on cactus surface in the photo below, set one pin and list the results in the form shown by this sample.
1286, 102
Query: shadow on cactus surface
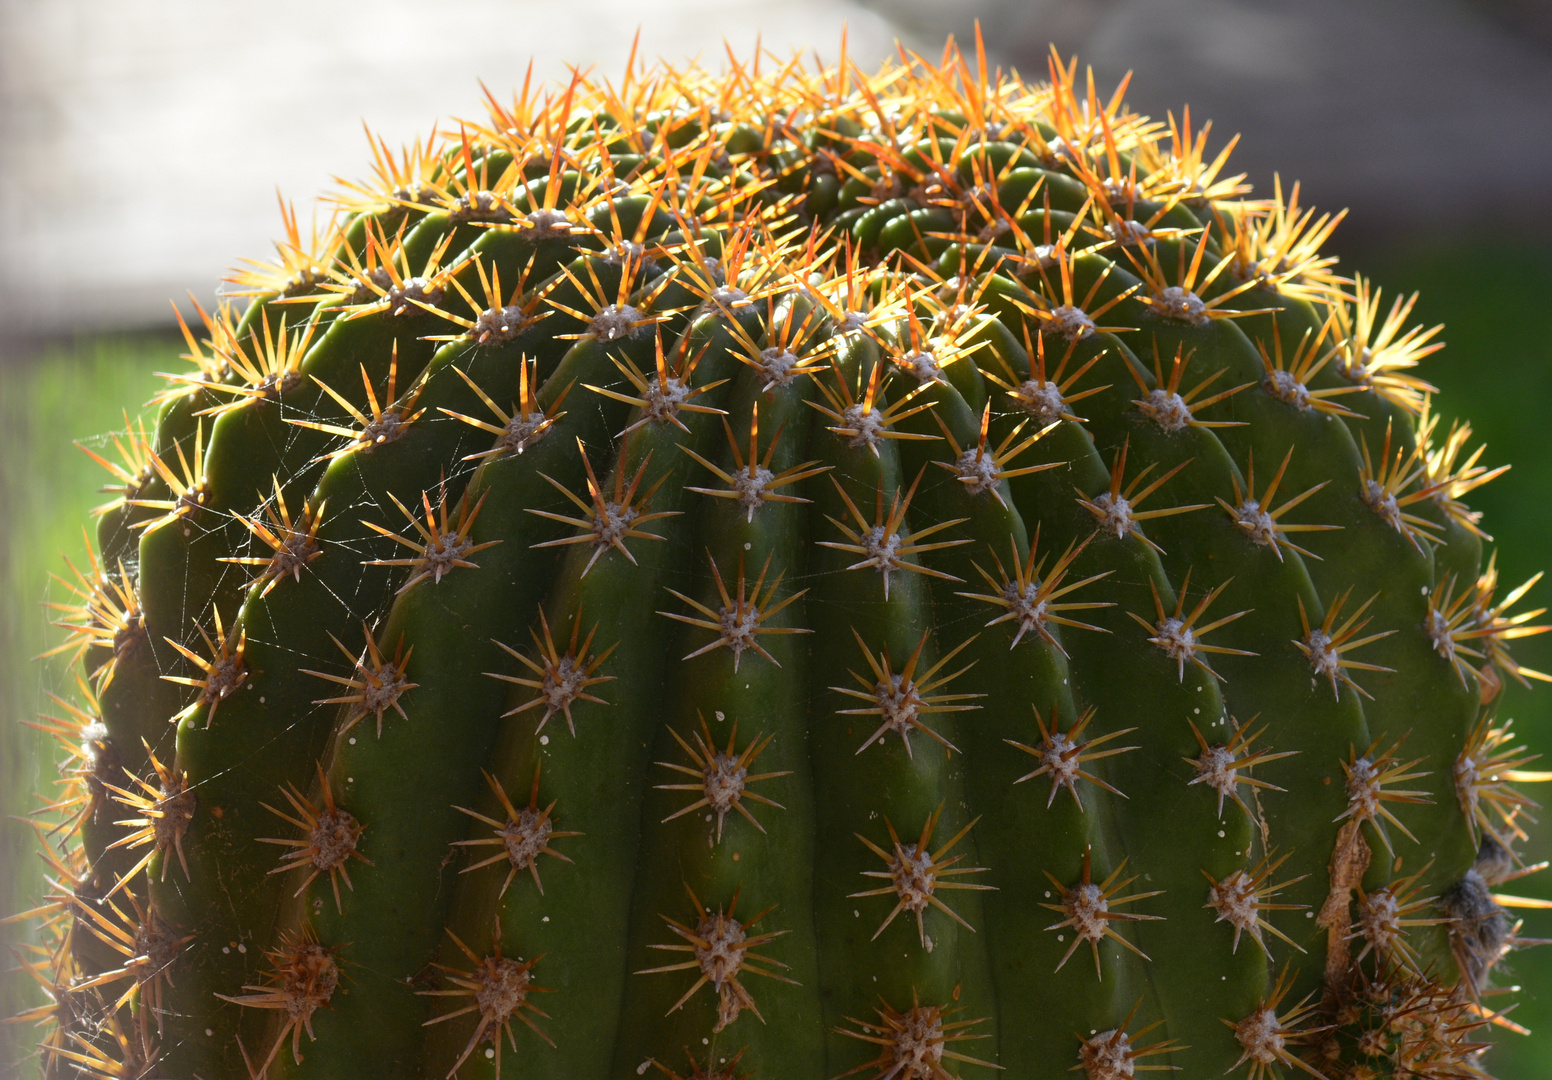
802, 574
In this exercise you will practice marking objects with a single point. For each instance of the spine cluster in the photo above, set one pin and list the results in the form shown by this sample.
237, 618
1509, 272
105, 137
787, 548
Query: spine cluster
749, 575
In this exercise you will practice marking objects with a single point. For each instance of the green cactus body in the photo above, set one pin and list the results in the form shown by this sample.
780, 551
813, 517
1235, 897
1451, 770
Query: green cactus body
803, 576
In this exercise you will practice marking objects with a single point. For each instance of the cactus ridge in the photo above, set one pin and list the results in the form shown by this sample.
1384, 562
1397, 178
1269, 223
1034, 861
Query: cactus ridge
768, 574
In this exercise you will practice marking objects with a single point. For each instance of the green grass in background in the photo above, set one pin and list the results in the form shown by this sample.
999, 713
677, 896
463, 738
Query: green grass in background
47, 490
1496, 370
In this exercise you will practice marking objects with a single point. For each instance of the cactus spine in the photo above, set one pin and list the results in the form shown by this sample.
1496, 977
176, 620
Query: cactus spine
791, 575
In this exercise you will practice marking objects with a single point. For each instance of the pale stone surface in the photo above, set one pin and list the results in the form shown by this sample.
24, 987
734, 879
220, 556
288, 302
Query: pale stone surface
143, 142
1418, 115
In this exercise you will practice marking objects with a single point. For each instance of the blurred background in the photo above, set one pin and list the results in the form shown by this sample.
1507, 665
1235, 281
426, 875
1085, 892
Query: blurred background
141, 146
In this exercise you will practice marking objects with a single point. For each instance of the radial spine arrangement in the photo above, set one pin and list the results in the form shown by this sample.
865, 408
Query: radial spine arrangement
790, 573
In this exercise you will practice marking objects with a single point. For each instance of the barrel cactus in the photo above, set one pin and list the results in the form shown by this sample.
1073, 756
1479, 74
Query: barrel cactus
790, 573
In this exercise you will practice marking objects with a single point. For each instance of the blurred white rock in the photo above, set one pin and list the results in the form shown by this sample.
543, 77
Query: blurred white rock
142, 141
1425, 117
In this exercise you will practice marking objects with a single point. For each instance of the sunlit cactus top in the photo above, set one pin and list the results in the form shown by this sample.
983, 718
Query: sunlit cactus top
789, 572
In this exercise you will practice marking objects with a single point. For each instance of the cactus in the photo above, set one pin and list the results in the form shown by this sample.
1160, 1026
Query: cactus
791, 573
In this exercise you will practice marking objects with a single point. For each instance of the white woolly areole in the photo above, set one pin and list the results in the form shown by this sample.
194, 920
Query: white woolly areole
1025, 606
914, 878
776, 365
1073, 323
1355, 367
1115, 515
477, 206
882, 549
1324, 660
750, 489
1043, 256
1363, 790
1129, 232
1059, 150
502, 987
547, 224
1180, 303
1086, 905
496, 326
1234, 899
1259, 525
526, 837
924, 365
1215, 768
1118, 189
522, 431
624, 251
1041, 399
226, 674
610, 526
738, 631
562, 683
662, 398
1379, 919
614, 322
405, 298
417, 193
333, 839
1059, 754
292, 555
868, 425
1177, 640
720, 953
1438, 629
725, 779
1468, 777
1107, 1056
444, 553
364, 292
1285, 388
94, 742
898, 704
918, 1046
1167, 409
381, 430
977, 471
1383, 503
728, 296
1261, 1036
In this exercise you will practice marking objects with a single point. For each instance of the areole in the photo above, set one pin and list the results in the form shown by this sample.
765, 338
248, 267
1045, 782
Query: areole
813, 444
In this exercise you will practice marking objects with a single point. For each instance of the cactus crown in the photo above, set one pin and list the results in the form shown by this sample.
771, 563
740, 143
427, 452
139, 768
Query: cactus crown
790, 573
